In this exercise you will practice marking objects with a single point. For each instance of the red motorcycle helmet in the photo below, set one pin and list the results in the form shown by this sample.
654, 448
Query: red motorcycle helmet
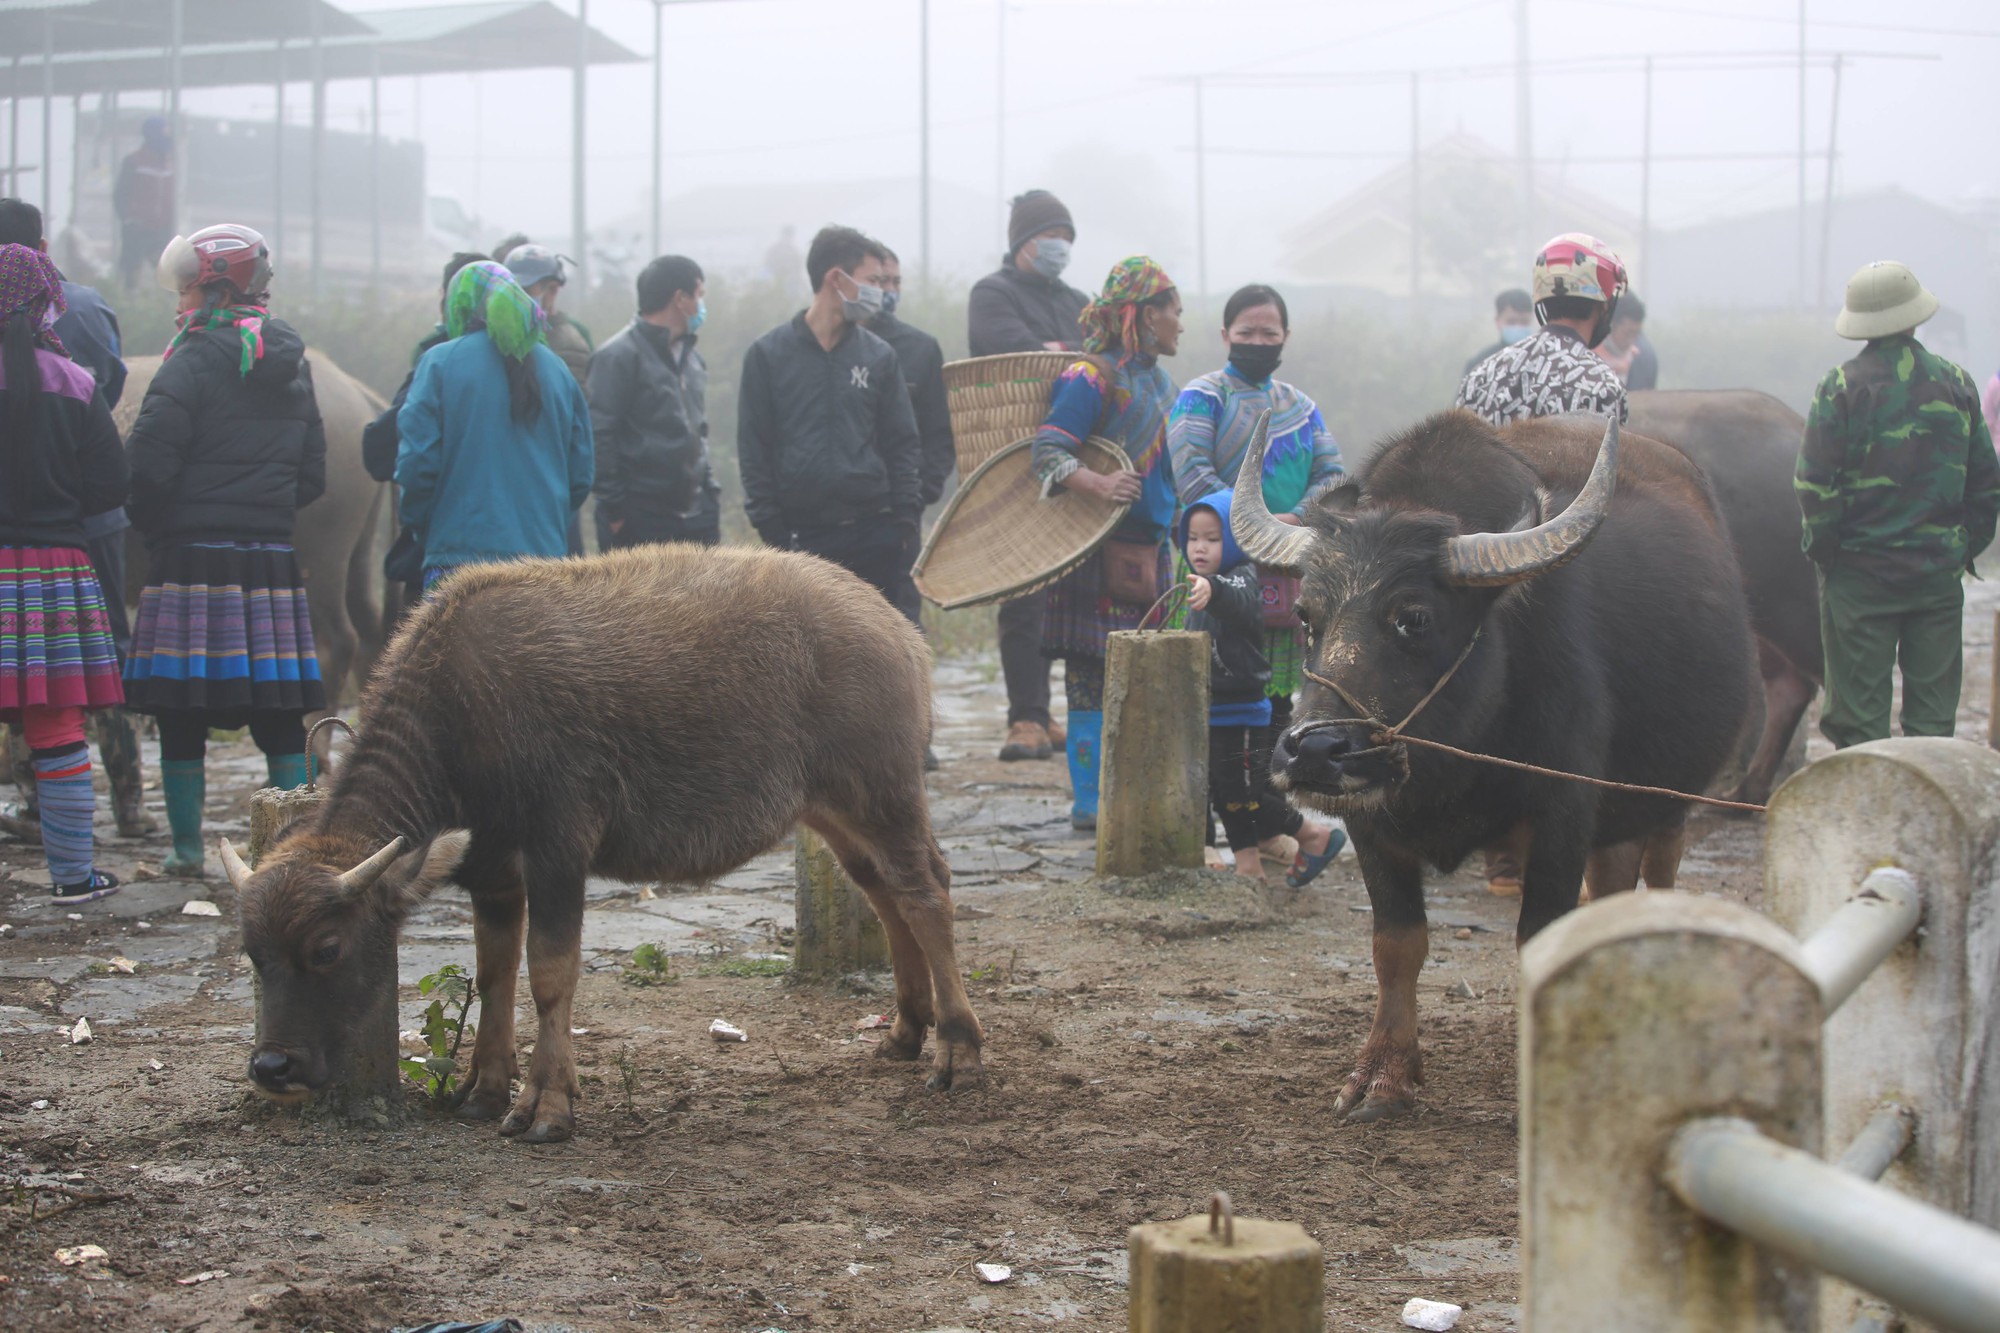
225, 253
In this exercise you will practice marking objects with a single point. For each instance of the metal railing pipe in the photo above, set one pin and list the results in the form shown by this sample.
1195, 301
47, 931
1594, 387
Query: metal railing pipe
1920, 1259
1867, 928
1880, 1142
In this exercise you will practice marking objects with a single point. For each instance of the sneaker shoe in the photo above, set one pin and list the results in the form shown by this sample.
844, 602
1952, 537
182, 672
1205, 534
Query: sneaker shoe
1058, 737
101, 884
1026, 740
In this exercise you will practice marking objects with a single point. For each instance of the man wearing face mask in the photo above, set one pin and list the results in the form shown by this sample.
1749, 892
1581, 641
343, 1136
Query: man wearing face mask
648, 388
1577, 282
923, 375
1026, 307
825, 434
1513, 320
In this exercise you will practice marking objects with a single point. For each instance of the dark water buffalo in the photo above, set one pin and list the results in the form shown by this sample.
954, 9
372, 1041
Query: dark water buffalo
336, 534
1604, 634
1748, 444
663, 713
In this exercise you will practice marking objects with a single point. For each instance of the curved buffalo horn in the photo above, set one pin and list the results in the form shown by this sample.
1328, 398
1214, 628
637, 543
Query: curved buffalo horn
233, 866
359, 878
1489, 559
1262, 537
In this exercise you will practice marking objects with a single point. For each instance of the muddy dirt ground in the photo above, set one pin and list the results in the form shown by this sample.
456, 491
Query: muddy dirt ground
1143, 1050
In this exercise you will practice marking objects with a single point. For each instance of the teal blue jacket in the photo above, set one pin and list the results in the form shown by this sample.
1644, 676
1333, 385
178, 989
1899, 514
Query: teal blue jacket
477, 485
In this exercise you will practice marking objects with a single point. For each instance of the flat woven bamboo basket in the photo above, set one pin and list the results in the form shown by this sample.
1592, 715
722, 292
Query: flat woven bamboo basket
995, 400
998, 538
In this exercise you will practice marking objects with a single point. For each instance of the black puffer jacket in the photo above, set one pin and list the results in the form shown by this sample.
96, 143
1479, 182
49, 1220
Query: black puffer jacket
649, 417
1016, 311
218, 455
1238, 672
922, 361
78, 469
824, 437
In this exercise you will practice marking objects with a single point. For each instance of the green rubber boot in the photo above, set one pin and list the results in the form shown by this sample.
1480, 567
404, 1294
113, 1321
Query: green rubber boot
288, 771
185, 785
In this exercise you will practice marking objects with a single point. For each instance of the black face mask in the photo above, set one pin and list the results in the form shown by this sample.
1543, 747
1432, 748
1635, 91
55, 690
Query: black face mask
1256, 361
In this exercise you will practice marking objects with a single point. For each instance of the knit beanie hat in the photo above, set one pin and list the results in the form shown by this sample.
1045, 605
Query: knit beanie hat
1034, 213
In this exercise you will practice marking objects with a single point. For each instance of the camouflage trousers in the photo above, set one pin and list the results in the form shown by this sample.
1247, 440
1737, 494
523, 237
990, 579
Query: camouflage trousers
1869, 627
118, 739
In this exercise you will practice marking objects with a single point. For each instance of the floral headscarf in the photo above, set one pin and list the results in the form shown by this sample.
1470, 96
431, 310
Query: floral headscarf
247, 320
1112, 319
31, 288
485, 296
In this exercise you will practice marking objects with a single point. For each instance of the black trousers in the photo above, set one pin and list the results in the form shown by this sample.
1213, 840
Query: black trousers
1275, 814
184, 731
1022, 664
1239, 789
879, 550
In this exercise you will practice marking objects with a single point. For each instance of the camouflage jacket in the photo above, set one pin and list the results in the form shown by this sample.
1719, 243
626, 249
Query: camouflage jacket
1544, 375
1897, 475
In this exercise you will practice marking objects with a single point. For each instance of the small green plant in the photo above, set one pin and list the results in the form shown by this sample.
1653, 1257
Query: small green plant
628, 1075
450, 992
649, 966
753, 967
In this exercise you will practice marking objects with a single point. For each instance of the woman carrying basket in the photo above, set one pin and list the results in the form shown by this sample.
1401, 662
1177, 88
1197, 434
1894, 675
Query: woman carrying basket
1118, 391
227, 449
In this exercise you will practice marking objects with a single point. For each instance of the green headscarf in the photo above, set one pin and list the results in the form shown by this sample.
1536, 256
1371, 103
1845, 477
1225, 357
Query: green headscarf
485, 296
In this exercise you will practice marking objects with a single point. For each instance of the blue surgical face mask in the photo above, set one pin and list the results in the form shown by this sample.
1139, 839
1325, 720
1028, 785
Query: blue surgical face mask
700, 315
890, 300
1513, 333
864, 305
1051, 256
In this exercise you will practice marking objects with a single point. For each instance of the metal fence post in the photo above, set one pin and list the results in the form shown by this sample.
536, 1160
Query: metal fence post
1639, 1013
1921, 1029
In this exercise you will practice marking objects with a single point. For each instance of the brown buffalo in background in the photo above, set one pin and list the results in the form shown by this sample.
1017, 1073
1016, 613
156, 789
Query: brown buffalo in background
1748, 445
336, 535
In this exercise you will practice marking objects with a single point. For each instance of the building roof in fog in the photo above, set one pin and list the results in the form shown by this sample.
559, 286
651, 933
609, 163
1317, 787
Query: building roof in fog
1466, 199
27, 27
428, 39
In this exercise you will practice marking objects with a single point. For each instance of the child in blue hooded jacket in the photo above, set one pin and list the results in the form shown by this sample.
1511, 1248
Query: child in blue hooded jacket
1224, 601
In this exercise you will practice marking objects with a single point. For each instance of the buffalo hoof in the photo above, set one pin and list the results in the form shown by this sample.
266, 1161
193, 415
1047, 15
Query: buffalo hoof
958, 1067
484, 1095
479, 1106
1383, 1085
899, 1043
541, 1115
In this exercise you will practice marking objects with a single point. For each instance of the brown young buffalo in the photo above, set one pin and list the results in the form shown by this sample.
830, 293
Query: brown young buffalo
662, 713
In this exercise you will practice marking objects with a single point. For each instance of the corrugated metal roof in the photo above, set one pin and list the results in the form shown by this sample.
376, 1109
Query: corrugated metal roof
123, 25
429, 39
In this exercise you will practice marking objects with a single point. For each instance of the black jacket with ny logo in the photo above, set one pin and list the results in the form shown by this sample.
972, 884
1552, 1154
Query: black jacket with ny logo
825, 437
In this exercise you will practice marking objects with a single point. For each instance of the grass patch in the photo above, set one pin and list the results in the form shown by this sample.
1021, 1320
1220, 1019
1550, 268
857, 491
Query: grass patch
750, 967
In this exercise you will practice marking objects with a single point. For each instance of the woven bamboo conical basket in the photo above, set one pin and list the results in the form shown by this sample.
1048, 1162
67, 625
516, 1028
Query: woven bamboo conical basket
998, 538
995, 400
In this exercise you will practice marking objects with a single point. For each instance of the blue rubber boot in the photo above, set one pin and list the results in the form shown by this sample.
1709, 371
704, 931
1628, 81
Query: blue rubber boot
1086, 743
288, 771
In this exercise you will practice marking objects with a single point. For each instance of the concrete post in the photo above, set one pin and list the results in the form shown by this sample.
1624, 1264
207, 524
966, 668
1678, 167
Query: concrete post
272, 811
1639, 1013
1152, 803
1212, 1273
1921, 1030
838, 932
1993, 688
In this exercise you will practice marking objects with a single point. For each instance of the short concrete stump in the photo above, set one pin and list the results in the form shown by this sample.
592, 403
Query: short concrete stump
1213, 1273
